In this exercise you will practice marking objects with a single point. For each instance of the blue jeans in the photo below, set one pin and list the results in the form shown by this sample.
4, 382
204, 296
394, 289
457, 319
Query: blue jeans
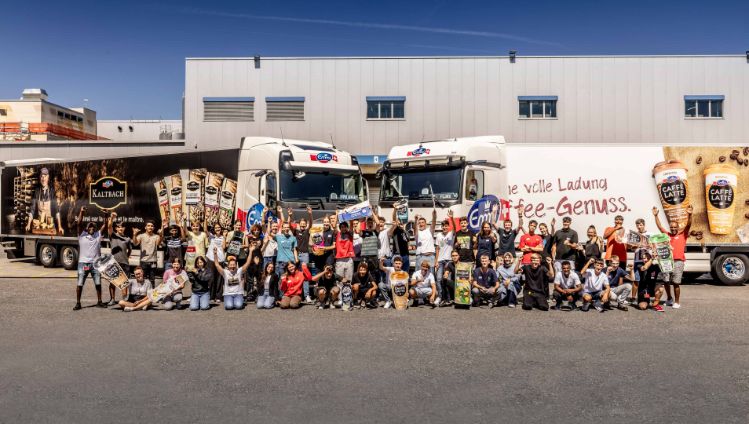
267, 260
440, 275
384, 287
383, 274
200, 301
304, 258
510, 293
265, 302
233, 301
86, 268
280, 268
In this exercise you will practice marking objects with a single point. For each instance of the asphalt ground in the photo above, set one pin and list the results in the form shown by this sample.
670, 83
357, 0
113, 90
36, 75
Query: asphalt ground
420, 365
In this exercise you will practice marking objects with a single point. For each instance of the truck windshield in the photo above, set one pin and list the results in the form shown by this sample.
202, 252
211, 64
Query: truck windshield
328, 187
414, 184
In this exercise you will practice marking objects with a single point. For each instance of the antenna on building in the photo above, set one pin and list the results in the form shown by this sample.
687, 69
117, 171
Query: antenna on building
513, 54
330, 135
283, 142
85, 103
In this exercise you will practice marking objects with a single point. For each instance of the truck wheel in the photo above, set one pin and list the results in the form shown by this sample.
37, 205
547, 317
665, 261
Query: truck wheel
732, 269
47, 255
69, 257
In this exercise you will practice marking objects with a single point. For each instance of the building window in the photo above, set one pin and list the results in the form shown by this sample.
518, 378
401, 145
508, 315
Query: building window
284, 109
537, 107
386, 107
3, 112
474, 184
228, 109
703, 106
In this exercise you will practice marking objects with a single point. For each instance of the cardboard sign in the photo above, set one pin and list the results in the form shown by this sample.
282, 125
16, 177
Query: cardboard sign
463, 283
357, 211
111, 271
663, 252
164, 289
634, 238
399, 286
401, 210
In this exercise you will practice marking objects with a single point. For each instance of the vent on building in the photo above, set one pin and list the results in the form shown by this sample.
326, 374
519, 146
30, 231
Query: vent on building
228, 109
284, 108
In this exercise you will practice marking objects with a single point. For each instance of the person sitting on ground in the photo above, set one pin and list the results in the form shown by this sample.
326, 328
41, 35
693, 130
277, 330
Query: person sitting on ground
267, 287
327, 287
233, 276
567, 287
291, 287
485, 284
537, 277
509, 281
650, 288
620, 283
136, 293
365, 289
384, 285
423, 286
200, 280
180, 276
596, 287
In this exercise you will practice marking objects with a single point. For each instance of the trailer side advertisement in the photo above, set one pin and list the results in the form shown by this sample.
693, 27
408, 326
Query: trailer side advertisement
44, 199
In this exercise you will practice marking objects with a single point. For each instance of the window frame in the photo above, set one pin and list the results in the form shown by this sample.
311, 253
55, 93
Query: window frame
711, 100
548, 103
385, 100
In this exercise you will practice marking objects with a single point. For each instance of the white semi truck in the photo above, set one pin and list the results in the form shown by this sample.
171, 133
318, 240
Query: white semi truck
40, 199
589, 183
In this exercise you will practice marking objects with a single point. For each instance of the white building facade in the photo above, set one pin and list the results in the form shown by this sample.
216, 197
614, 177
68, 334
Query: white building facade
368, 105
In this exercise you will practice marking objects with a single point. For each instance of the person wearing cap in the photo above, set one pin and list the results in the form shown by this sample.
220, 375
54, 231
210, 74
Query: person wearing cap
44, 203
89, 248
344, 252
564, 245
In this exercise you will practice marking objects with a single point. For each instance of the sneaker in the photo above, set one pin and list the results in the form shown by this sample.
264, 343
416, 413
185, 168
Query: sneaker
585, 307
676, 305
128, 309
658, 308
111, 303
338, 304
558, 307
321, 306
438, 300
77, 307
512, 305
669, 302
388, 304
492, 305
308, 300
598, 307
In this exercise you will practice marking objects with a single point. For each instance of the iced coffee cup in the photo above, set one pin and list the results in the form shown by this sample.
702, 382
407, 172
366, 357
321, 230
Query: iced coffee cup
720, 192
673, 190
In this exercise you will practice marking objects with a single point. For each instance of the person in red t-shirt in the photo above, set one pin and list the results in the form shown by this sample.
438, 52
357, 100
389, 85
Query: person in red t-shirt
616, 245
678, 248
344, 252
291, 286
531, 243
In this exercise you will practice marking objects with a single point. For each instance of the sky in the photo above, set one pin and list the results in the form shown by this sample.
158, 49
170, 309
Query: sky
127, 57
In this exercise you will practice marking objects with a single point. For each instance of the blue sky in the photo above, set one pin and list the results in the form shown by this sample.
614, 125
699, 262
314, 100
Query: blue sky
127, 57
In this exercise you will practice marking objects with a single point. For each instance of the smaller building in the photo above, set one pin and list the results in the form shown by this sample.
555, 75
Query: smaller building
33, 117
140, 129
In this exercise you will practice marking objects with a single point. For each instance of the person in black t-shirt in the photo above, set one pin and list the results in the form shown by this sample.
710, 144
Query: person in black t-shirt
564, 244
448, 279
537, 277
463, 243
327, 287
173, 243
400, 241
649, 288
365, 287
507, 235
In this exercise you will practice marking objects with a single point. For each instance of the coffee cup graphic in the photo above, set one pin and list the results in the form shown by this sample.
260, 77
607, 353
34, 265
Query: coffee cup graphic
673, 190
720, 197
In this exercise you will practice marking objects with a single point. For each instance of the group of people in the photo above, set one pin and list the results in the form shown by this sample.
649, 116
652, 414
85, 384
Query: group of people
282, 262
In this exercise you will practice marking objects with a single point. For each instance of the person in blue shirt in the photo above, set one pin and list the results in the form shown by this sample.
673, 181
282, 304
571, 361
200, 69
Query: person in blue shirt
485, 284
620, 283
287, 251
509, 281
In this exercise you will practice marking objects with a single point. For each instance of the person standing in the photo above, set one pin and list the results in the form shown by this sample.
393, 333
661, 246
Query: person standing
464, 244
302, 234
197, 243
485, 241
531, 243
546, 235
564, 245
215, 255
89, 248
448, 278
400, 242
44, 204
148, 242
286, 250
678, 248
639, 250
235, 243
591, 249
270, 245
425, 249
615, 241
444, 246
120, 246
507, 235
344, 252
173, 244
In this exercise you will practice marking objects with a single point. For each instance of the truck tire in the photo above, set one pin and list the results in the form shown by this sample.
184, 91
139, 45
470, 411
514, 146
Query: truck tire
69, 257
731, 269
47, 255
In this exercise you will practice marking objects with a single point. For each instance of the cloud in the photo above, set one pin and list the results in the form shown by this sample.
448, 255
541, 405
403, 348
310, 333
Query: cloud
371, 25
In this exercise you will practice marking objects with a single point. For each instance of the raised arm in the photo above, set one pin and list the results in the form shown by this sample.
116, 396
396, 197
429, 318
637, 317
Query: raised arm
434, 220
112, 217
658, 221
690, 209
587, 265
216, 263
104, 224
520, 221
79, 221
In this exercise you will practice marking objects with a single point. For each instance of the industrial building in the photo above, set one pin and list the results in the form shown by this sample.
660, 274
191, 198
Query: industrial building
140, 129
34, 117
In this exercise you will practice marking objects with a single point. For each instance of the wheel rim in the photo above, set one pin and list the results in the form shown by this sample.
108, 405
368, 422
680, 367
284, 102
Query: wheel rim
67, 256
47, 254
733, 268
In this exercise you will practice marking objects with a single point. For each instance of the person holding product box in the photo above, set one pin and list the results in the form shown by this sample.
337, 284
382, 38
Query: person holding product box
678, 246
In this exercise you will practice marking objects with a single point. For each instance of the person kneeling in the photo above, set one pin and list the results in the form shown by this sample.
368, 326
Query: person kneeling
365, 289
177, 274
233, 286
423, 286
267, 287
596, 288
327, 287
567, 288
291, 286
136, 292
537, 277
485, 284
650, 287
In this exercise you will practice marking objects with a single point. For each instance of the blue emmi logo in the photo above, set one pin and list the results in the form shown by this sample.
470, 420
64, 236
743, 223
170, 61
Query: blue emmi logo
324, 157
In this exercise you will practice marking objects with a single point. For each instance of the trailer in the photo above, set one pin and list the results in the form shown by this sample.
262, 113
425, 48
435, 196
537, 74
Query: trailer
40, 199
589, 183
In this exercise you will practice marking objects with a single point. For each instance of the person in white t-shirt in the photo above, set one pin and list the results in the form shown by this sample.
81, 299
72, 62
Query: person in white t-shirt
567, 287
384, 284
596, 287
444, 242
233, 281
423, 286
424, 240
